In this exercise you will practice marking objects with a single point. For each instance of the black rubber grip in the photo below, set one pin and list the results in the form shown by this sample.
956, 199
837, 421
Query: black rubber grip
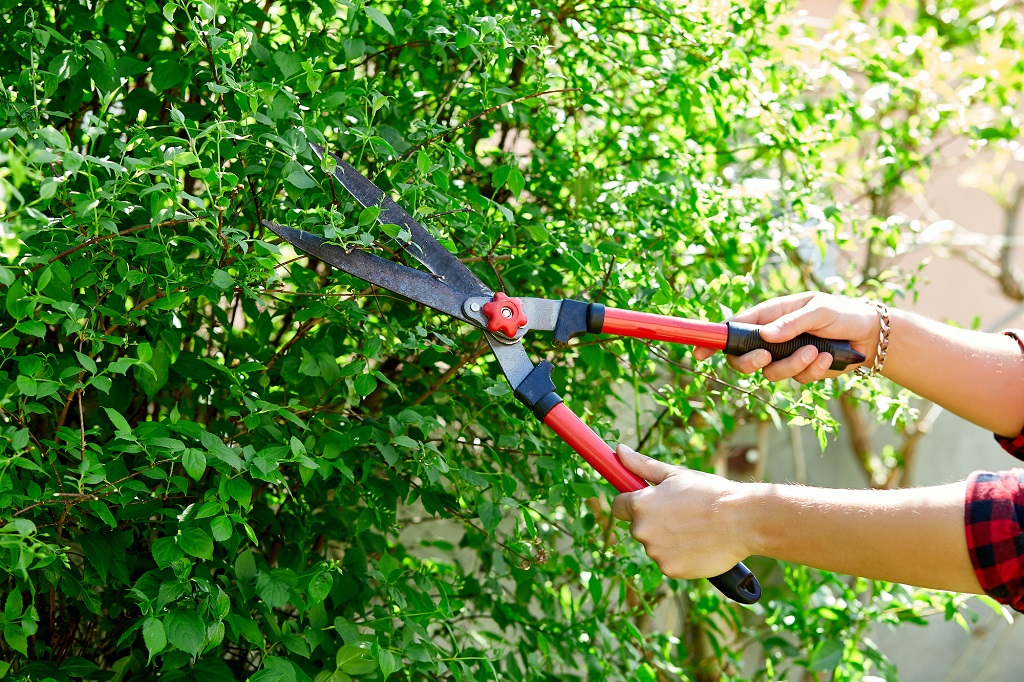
738, 584
744, 338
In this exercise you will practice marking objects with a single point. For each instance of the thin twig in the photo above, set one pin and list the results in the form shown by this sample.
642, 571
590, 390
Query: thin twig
125, 478
61, 498
464, 209
463, 361
42, 450
81, 422
607, 276
97, 240
711, 377
392, 48
483, 113
486, 259
302, 331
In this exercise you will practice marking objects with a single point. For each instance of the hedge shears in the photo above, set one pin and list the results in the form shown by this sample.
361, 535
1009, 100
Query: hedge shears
452, 288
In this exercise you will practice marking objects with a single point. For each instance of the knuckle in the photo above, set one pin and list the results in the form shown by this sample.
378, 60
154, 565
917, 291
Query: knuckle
641, 532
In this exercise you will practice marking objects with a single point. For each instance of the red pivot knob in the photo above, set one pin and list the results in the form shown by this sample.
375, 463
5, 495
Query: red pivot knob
504, 315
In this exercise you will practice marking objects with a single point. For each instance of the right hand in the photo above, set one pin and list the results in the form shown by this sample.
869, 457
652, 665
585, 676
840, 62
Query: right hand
824, 315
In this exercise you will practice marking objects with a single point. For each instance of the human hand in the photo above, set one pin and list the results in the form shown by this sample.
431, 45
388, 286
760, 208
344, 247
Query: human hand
824, 315
687, 520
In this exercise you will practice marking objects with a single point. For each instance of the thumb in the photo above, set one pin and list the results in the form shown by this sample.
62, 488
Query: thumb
651, 470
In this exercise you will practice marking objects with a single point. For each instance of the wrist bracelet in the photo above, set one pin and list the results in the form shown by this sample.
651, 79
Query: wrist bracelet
883, 339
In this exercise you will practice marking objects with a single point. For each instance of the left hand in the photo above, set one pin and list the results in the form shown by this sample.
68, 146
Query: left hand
688, 521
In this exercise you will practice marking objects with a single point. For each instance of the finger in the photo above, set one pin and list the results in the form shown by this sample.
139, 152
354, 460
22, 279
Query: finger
796, 363
772, 309
622, 507
791, 325
751, 362
817, 370
643, 466
700, 354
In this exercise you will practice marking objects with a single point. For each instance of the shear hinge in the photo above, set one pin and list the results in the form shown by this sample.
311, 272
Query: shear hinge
576, 318
537, 390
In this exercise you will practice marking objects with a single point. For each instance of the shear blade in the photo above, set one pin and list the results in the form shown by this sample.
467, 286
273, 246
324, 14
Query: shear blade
422, 245
414, 284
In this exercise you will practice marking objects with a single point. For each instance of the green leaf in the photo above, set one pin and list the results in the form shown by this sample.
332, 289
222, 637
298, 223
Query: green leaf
272, 588
516, 182
826, 655
154, 636
165, 551
16, 638
387, 661
222, 280
364, 384
14, 606
245, 566
88, 363
299, 179
32, 328
241, 491
99, 551
355, 660
194, 463
378, 18
167, 74
320, 587
222, 528
185, 630
490, 514
368, 215
422, 162
197, 542
120, 423
18, 304
404, 442
20, 439
466, 36
289, 62
277, 669
500, 176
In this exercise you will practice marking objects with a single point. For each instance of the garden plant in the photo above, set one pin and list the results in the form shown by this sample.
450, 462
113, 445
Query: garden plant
221, 460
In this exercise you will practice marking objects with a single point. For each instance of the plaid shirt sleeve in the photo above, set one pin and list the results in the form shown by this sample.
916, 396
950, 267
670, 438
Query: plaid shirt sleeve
993, 516
993, 520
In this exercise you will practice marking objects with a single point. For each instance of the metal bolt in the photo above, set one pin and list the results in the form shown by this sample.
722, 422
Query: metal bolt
475, 307
506, 313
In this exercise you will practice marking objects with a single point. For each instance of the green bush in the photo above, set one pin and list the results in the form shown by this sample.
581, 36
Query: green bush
222, 461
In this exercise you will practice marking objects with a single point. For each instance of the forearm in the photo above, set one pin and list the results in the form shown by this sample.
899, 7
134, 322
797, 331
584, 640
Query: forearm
975, 375
913, 536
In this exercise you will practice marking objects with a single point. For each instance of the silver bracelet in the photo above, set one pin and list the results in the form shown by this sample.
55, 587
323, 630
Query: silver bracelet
883, 339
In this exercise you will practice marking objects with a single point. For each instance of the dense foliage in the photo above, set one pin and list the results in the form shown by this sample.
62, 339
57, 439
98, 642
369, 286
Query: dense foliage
219, 460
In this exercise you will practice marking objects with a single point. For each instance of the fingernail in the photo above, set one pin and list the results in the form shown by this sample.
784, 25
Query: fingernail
824, 361
762, 358
808, 354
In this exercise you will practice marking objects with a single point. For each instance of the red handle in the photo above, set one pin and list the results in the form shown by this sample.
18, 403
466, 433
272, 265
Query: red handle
738, 583
592, 448
664, 328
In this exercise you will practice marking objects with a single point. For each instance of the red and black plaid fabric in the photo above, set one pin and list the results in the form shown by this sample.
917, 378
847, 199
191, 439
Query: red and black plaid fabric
993, 516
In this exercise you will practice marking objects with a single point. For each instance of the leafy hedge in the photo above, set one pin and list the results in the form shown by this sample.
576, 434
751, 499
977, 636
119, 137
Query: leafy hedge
219, 460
